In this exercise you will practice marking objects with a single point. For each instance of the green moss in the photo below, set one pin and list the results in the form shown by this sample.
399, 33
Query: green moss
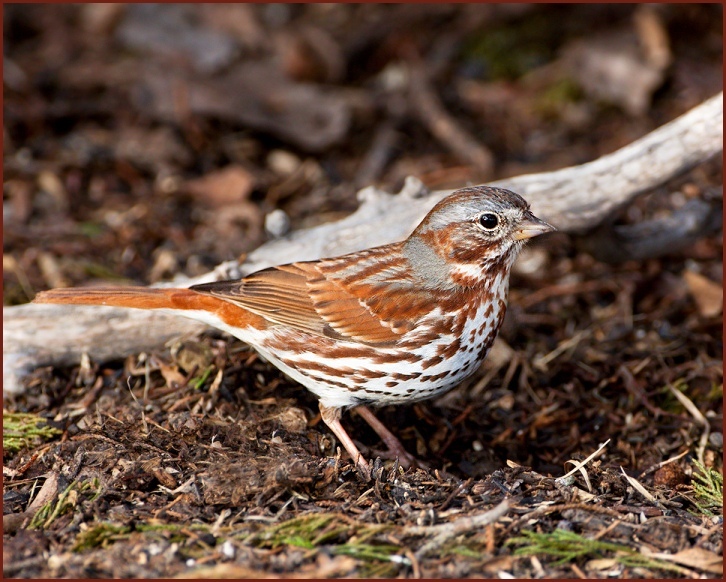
171, 527
708, 489
466, 552
550, 101
100, 535
715, 394
99, 271
22, 430
91, 229
337, 536
569, 546
306, 531
66, 501
198, 381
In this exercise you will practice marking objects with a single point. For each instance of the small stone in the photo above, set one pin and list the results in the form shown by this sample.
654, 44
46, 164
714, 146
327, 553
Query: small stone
282, 162
716, 439
277, 223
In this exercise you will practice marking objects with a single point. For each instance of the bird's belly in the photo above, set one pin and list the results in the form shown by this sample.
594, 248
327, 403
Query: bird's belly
399, 383
344, 374
356, 374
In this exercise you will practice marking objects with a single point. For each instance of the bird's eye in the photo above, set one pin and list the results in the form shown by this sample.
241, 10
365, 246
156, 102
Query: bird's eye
489, 221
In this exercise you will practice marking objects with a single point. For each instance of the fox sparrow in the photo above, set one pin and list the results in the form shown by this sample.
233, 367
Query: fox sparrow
388, 325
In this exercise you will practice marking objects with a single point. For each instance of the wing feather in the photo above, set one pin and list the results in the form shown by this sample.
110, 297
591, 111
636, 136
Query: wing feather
279, 294
326, 298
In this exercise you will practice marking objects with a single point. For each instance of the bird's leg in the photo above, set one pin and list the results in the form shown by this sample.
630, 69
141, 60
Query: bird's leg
395, 447
331, 417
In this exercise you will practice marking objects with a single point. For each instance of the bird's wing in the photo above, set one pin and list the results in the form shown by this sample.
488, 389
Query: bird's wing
279, 294
319, 301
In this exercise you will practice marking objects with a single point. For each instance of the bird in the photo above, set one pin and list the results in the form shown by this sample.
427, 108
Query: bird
392, 324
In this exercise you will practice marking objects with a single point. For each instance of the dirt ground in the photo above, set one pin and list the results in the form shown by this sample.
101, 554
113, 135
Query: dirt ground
128, 158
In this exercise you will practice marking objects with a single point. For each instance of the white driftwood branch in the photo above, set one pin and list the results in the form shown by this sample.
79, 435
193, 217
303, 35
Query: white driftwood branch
573, 199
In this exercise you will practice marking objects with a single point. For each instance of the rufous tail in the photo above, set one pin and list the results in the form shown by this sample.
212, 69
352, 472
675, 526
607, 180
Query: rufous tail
136, 297
153, 298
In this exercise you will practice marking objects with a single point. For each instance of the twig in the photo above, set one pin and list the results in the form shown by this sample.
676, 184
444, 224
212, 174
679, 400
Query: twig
546, 509
580, 466
444, 532
639, 487
663, 464
14, 568
633, 387
380, 153
430, 111
698, 416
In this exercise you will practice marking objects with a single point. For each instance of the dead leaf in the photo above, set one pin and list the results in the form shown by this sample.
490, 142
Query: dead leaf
192, 355
48, 492
240, 22
309, 53
18, 206
150, 147
293, 419
499, 564
695, 558
50, 183
171, 375
707, 294
499, 355
223, 187
52, 270
165, 264
653, 35
602, 564
101, 17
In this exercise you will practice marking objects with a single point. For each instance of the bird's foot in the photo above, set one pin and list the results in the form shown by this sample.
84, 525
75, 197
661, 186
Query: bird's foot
405, 459
364, 469
394, 446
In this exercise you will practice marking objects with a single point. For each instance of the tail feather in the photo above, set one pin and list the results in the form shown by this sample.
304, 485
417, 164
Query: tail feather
135, 297
200, 306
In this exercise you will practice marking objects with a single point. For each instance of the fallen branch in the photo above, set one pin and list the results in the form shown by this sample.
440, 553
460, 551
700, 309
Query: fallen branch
657, 237
574, 199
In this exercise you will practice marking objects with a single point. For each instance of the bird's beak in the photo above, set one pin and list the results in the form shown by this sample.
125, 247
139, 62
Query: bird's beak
532, 226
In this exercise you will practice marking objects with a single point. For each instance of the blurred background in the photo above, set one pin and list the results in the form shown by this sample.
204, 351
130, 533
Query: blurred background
141, 141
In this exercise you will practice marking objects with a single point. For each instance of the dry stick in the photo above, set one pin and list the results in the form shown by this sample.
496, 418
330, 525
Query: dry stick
574, 199
580, 466
379, 154
580, 197
698, 416
430, 111
445, 531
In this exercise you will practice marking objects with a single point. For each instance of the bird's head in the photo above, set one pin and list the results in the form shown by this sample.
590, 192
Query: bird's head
471, 234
